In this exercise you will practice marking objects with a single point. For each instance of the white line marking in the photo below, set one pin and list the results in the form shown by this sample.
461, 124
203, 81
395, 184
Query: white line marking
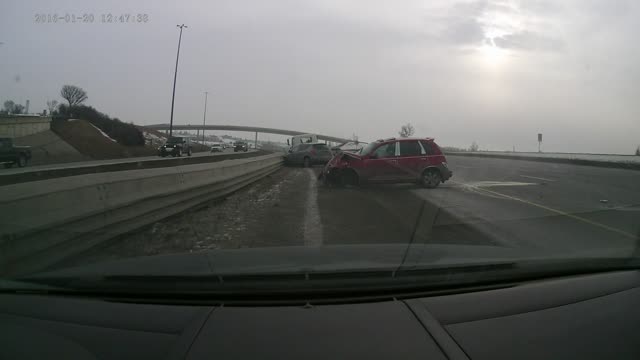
536, 178
484, 184
312, 225
464, 167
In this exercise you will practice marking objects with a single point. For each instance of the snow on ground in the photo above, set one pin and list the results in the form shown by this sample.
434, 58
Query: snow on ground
103, 133
152, 136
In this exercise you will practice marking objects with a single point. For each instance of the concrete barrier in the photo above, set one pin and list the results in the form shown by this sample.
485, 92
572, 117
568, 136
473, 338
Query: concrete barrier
44, 222
73, 169
632, 162
14, 126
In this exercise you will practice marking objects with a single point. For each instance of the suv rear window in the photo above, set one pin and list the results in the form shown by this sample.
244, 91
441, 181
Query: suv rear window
428, 147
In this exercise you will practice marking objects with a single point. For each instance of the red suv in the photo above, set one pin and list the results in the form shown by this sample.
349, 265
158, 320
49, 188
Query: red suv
390, 161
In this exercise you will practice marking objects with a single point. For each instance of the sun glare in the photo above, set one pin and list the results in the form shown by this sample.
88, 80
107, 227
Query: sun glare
492, 55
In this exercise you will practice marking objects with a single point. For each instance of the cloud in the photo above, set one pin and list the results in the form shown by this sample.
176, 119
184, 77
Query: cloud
468, 31
529, 41
461, 25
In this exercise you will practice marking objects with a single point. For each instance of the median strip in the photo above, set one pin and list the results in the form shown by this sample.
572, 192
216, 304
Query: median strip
58, 218
45, 174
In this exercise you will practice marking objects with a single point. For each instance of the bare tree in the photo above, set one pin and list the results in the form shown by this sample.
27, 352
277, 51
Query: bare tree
406, 130
73, 94
638, 151
474, 147
52, 104
10, 107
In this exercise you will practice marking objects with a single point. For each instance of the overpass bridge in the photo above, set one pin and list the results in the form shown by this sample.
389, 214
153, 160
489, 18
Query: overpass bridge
253, 129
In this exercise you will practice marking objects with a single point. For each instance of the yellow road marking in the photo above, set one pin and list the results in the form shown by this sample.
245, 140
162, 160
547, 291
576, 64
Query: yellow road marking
560, 212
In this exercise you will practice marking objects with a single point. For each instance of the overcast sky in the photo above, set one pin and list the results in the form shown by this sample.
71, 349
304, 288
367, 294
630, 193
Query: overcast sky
495, 72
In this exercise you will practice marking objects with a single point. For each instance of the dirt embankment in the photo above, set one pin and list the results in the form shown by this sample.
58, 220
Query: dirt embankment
89, 141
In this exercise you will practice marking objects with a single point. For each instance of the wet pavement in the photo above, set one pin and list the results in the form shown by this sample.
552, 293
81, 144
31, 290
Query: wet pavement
488, 202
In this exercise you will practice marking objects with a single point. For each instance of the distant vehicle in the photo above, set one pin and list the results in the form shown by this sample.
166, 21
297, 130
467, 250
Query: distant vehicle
11, 154
240, 146
217, 147
303, 139
390, 161
308, 155
176, 146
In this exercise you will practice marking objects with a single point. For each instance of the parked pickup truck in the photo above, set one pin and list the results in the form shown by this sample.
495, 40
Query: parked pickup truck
10, 154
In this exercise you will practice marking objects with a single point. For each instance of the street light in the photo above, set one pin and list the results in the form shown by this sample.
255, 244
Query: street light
175, 76
204, 117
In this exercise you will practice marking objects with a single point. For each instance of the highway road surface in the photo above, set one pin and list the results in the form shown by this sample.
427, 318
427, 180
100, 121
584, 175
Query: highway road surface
510, 203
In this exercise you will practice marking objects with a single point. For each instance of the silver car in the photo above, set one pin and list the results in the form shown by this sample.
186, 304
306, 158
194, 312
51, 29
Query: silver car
217, 148
308, 154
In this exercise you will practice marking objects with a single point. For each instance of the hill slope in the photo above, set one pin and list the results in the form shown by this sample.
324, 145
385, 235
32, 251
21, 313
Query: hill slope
91, 142
48, 148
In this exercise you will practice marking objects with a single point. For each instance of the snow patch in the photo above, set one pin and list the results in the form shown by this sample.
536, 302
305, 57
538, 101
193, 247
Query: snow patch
152, 136
103, 133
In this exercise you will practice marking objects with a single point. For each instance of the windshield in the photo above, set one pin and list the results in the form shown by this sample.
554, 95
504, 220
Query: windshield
218, 138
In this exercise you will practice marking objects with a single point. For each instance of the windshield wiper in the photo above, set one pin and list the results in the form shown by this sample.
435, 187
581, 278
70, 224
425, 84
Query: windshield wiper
308, 286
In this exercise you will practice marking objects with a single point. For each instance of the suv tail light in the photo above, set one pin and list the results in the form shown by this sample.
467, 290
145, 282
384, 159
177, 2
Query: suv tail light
313, 151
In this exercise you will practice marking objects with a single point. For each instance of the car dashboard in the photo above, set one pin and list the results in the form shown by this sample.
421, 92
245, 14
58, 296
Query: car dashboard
579, 317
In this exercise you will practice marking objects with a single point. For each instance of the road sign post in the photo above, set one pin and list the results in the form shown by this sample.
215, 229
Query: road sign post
539, 141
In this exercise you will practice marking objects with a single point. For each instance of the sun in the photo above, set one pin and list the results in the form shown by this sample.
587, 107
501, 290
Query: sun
492, 55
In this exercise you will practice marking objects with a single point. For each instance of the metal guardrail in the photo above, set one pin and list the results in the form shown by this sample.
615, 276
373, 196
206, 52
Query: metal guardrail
64, 217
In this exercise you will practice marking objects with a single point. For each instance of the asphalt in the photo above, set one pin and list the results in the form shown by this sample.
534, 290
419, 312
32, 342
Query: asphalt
510, 203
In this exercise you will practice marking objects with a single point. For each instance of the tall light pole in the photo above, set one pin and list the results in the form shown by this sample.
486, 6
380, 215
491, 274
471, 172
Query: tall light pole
175, 76
204, 117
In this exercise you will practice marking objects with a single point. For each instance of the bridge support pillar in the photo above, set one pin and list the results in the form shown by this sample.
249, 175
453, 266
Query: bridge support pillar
255, 142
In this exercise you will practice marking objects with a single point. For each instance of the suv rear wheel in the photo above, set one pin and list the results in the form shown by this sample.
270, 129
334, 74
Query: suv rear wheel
431, 178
